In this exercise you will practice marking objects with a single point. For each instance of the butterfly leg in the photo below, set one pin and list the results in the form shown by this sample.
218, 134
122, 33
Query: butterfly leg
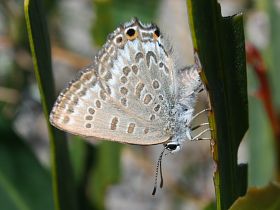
195, 138
201, 139
199, 113
198, 126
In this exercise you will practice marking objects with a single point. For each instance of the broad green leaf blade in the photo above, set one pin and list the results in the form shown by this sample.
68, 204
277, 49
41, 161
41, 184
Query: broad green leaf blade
24, 183
219, 43
267, 198
63, 183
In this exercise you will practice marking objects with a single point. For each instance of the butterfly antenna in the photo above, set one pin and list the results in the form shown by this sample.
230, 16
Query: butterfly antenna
158, 169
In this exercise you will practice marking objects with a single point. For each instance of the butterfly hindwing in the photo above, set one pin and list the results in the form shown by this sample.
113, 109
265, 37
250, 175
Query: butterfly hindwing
125, 95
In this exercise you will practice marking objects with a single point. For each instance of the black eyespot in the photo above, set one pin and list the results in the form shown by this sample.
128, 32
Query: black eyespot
130, 32
157, 32
119, 39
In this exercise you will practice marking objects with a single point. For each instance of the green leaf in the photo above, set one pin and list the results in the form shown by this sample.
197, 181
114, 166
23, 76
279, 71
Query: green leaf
24, 183
267, 198
63, 183
219, 43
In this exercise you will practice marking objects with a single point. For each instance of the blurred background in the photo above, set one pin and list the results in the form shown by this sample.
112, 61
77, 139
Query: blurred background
122, 176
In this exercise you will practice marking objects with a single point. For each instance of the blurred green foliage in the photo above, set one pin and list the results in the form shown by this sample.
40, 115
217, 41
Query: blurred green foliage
22, 177
274, 45
263, 157
260, 142
111, 13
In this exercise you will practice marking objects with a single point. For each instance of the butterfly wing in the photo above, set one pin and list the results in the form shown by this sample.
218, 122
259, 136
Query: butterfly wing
126, 95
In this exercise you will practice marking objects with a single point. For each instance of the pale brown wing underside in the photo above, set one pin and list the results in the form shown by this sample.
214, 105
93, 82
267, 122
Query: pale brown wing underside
125, 95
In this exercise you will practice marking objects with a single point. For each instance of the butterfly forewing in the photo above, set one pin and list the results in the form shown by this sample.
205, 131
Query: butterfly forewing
125, 95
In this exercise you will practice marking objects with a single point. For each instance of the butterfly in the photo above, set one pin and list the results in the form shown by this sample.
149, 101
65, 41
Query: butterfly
133, 92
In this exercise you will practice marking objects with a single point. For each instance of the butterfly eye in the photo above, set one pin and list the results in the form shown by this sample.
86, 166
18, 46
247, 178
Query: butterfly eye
173, 147
156, 33
131, 34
